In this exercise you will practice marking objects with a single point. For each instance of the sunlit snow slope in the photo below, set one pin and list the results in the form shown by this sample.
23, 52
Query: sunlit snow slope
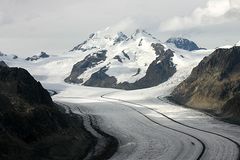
115, 60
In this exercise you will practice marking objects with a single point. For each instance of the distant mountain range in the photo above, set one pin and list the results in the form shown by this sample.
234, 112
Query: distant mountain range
118, 61
115, 60
2, 55
37, 57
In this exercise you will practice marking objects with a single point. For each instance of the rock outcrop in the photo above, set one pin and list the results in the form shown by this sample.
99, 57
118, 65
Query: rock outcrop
32, 126
160, 70
37, 57
89, 61
214, 84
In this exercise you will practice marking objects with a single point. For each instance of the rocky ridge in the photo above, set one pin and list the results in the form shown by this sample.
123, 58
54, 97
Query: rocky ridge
37, 57
214, 85
32, 126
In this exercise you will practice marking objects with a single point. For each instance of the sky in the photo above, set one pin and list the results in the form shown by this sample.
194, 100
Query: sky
28, 27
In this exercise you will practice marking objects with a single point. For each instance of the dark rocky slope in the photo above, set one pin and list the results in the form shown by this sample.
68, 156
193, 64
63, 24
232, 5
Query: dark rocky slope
32, 126
214, 84
88, 62
159, 71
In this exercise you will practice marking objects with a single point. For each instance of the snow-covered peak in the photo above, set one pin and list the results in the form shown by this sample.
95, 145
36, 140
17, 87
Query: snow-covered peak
100, 40
179, 39
183, 43
107, 34
103, 34
108, 38
141, 33
115, 55
43, 55
120, 37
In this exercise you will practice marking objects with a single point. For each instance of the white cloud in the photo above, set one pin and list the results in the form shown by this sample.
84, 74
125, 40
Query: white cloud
235, 3
127, 25
215, 12
55, 26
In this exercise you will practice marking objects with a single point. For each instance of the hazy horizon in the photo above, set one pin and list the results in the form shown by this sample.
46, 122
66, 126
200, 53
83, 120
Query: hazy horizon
31, 26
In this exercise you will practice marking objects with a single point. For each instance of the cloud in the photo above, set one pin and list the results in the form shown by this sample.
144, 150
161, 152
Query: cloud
215, 12
126, 25
235, 3
55, 26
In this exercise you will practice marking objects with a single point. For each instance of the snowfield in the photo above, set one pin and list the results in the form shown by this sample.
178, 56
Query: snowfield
147, 126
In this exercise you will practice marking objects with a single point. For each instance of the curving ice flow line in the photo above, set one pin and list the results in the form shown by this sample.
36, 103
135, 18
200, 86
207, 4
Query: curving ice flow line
102, 149
197, 139
204, 148
213, 133
171, 119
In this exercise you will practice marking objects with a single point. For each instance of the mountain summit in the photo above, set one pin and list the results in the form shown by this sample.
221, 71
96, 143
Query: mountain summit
116, 61
183, 43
